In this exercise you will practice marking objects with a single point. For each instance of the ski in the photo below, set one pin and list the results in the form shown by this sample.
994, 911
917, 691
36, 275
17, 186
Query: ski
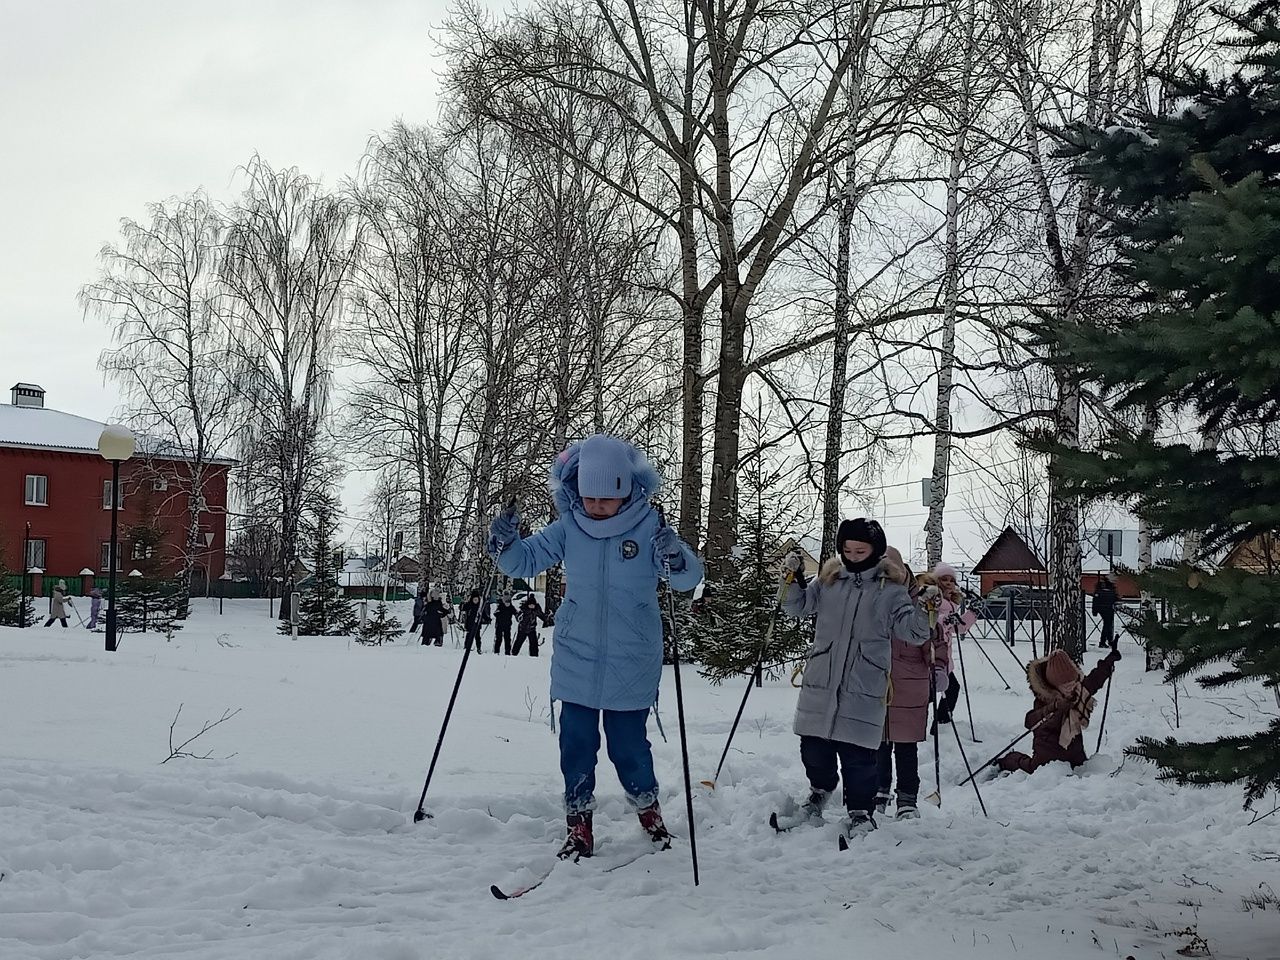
784, 822
627, 860
521, 891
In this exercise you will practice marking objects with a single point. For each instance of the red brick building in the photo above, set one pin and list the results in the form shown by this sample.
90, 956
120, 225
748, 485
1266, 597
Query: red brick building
55, 497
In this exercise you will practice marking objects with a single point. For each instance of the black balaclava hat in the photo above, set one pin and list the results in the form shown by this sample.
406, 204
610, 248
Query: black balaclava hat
864, 531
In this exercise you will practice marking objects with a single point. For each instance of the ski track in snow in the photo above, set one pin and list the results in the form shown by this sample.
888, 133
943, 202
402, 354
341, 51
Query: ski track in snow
302, 845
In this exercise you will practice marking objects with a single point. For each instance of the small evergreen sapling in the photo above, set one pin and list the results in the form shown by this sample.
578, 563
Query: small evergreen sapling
325, 610
381, 628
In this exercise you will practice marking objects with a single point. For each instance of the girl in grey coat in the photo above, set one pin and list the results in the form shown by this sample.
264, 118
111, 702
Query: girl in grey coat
861, 605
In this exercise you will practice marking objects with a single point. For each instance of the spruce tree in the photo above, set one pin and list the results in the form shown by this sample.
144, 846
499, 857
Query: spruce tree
11, 606
381, 628
151, 601
325, 610
728, 626
1197, 195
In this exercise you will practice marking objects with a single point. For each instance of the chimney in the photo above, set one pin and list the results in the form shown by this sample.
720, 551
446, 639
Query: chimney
27, 395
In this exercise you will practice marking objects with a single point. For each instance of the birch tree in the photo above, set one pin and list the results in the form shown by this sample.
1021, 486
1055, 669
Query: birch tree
172, 353
290, 254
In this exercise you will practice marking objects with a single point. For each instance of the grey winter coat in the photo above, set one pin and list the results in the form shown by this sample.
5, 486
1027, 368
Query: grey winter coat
846, 676
58, 605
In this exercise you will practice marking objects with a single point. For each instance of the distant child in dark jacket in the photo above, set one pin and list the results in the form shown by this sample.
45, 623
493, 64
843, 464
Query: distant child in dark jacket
434, 613
1064, 705
475, 614
503, 614
531, 614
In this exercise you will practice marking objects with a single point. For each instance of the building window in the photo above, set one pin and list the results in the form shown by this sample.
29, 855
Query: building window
37, 491
141, 551
35, 554
106, 495
106, 558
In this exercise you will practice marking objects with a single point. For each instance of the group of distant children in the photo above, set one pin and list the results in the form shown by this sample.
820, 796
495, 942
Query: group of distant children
60, 603
432, 613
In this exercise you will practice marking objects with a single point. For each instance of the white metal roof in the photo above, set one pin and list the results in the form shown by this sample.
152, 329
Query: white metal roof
39, 428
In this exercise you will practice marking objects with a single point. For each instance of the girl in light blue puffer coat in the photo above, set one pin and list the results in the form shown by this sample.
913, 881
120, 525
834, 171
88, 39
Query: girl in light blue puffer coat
606, 659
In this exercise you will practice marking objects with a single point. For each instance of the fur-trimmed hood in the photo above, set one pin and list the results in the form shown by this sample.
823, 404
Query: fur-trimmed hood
562, 479
887, 569
1039, 683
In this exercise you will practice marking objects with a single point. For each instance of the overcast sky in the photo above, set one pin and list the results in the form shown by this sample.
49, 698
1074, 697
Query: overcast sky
107, 105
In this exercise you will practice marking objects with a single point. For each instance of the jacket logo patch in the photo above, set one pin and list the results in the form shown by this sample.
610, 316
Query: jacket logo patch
629, 549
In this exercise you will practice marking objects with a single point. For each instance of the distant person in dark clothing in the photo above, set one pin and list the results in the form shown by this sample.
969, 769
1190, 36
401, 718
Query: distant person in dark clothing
531, 613
502, 617
434, 613
1104, 606
475, 614
419, 602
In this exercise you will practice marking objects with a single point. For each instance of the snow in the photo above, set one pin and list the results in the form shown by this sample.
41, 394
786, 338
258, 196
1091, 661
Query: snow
302, 845
40, 428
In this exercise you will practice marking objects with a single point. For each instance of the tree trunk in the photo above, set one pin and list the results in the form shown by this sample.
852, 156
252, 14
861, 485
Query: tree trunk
941, 476
1065, 590
834, 449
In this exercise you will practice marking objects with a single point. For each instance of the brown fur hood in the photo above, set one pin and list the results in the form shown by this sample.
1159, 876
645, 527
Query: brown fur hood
1040, 685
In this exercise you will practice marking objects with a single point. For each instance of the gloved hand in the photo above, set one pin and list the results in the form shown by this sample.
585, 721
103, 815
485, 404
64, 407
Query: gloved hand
940, 678
503, 532
1114, 655
930, 595
793, 562
668, 550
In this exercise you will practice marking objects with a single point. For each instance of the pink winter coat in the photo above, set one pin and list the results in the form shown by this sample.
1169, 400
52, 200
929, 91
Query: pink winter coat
952, 621
908, 718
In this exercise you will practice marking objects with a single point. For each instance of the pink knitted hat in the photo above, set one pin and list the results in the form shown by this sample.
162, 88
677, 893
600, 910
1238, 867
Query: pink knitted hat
945, 570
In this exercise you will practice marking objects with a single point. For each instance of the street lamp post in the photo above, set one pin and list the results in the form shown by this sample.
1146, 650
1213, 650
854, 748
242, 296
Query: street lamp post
26, 565
222, 590
208, 564
116, 445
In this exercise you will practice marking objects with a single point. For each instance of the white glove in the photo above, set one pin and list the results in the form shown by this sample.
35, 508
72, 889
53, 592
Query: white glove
793, 562
930, 595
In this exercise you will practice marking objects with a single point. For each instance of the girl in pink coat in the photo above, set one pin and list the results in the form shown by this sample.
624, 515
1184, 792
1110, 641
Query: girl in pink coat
917, 674
954, 623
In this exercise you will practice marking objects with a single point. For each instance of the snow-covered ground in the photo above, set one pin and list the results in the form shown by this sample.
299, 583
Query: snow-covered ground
302, 845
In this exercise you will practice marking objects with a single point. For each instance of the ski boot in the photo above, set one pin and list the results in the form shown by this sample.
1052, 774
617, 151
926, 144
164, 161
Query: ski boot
907, 808
882, 802
651, 821
858, 824
792, 816
812, 808
578, 842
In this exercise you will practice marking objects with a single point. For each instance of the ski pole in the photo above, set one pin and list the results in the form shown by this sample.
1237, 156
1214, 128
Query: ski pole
1016, 740
987, 656
421, 814
960, 744
759, 667
1106, 701
684, 739
964, 679
933, 702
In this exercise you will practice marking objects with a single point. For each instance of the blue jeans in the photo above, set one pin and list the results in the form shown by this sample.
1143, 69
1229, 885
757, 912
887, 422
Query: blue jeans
628, 748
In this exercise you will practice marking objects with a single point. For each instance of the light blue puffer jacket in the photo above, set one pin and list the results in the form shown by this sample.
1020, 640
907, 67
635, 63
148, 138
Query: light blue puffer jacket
607, 644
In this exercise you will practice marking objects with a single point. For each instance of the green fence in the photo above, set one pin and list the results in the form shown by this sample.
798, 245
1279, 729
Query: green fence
73, 582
